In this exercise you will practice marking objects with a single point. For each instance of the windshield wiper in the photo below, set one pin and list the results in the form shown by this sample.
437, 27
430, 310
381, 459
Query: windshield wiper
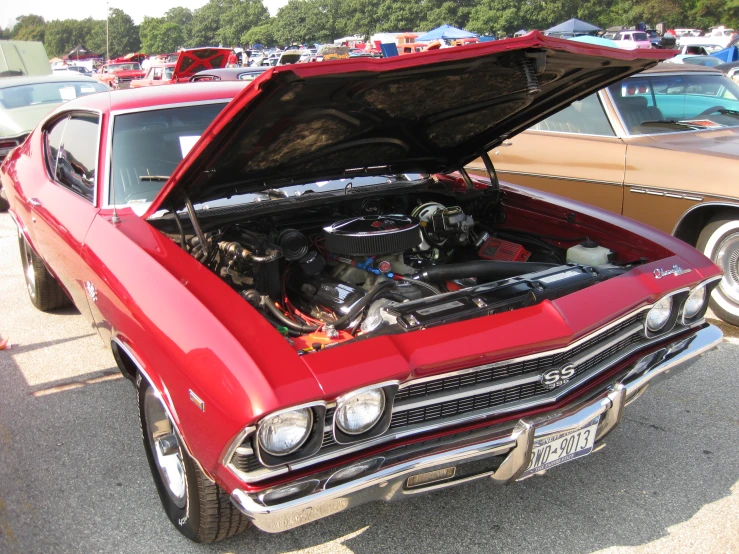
153, 177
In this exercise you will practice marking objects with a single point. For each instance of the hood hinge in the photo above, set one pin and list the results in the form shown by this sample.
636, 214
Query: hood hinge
196, 225
490, 168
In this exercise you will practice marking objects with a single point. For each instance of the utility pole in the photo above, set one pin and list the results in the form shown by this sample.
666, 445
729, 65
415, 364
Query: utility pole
107, 36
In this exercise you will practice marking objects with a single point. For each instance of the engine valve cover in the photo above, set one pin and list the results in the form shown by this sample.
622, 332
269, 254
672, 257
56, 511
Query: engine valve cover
372, 235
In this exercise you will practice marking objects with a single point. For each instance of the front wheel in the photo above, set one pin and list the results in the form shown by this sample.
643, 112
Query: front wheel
197, 507
719, 241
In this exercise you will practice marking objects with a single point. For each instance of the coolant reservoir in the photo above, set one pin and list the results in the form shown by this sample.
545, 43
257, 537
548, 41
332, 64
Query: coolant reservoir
588, 253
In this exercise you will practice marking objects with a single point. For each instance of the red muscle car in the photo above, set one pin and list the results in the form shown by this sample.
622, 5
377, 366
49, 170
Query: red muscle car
189, 62
319, 307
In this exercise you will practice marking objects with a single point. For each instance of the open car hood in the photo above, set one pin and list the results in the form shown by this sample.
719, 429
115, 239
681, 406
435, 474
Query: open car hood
189, 62
430, 112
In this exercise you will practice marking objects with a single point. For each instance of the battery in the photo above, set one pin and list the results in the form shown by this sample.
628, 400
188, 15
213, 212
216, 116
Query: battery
497, 249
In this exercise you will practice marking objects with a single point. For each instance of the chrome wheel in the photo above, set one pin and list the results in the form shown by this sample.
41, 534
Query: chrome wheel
727, 258
166, 449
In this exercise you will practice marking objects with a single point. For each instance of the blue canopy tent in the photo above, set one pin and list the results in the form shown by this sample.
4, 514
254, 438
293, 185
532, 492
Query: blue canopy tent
573, 27
445, 32
730, 54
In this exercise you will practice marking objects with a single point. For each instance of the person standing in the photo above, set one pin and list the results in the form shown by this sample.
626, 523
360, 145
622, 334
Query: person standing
232, 60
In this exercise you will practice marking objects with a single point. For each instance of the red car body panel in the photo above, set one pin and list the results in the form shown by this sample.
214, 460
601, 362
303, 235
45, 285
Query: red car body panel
190, 331
189, 62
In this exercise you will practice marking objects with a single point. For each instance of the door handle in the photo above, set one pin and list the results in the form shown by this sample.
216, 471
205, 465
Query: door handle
506, 143
34, 202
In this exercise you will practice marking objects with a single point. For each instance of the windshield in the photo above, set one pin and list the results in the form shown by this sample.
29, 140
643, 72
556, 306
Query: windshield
148, 145
670, 103
640, 36
125, 67
12, 98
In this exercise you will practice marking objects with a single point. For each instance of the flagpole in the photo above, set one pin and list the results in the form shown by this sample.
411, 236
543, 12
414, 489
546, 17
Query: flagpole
107, 37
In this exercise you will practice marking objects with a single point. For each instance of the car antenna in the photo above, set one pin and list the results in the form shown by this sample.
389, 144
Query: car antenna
115, 220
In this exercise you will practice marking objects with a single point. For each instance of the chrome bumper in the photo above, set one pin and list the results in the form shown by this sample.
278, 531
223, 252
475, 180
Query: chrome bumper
515, 442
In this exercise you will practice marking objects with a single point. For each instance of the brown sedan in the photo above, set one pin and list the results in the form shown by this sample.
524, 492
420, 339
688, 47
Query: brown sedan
661, 147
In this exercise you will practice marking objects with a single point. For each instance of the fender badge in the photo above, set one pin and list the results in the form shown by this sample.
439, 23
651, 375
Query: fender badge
675, 270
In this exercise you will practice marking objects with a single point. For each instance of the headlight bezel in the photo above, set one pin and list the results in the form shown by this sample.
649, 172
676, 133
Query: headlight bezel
310, 445
678, 300
389, 389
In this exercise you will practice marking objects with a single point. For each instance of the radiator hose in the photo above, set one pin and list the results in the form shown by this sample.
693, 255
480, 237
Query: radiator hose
482, 269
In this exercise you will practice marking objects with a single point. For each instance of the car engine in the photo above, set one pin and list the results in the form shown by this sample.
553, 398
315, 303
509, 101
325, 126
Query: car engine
354, 271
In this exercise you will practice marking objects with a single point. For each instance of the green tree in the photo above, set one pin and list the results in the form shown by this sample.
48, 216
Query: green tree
29, 27
259, 35
122, 33
291, 23
237, 20
182, 17
62, 36
205, 24
158, 35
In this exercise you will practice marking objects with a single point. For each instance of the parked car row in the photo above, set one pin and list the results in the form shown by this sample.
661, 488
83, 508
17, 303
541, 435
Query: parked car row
319, 306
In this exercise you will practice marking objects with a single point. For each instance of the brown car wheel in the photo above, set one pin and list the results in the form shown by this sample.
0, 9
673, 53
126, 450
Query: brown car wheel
45, 293
719, 241
195, 505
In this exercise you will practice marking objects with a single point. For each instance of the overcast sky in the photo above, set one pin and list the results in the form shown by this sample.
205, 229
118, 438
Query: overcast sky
80, 9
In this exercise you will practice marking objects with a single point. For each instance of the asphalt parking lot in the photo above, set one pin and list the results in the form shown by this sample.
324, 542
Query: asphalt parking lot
74, 478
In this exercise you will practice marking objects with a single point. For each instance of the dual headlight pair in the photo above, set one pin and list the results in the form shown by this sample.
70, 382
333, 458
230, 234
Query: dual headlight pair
359, 415
666, 309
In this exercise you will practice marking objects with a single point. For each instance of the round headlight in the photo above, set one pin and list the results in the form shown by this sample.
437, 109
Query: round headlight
695, 302
659, 314
358, 413
284, 433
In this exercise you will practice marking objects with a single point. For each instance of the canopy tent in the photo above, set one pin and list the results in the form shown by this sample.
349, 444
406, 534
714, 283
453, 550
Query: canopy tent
520, 33
730, 54
445, 32
573, 27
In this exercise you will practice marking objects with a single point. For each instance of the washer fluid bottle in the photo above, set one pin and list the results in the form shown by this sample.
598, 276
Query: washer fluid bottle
588, 253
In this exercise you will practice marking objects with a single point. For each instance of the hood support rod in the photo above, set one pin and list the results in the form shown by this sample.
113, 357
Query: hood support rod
494, 182
196, 225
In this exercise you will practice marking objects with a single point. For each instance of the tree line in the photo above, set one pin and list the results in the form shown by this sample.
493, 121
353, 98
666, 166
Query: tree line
246, 22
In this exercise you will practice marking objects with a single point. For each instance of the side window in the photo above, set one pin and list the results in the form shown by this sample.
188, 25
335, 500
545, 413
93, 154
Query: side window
157, 73
585, 117
53, 141
75, 167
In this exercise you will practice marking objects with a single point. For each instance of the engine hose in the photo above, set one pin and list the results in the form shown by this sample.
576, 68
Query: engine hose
485, 269
431, 288
367, 299
287, 322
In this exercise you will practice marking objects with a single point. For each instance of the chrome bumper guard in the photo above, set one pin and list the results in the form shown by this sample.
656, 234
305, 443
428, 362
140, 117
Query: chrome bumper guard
515, 443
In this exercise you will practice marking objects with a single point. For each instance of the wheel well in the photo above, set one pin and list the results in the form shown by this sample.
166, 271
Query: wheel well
124, 362
689, 228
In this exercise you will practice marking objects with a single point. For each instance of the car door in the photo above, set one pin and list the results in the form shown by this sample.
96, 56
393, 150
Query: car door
573, 153
65, 205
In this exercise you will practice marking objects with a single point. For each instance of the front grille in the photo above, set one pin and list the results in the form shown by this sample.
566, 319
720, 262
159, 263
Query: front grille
489, 375
497, 399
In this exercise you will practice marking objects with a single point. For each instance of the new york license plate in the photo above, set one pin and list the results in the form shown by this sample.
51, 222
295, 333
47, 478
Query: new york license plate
553, 450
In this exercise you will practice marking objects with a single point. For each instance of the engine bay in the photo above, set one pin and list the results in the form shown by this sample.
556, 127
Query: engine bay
357, 268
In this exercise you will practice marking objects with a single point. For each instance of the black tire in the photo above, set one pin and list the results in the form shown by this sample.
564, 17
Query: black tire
719, 241
4, 204
43, 289
206, 513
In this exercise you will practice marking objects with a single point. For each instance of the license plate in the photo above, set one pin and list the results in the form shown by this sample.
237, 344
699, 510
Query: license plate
553, 450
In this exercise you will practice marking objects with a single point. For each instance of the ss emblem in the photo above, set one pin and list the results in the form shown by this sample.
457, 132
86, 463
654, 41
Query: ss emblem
557, 377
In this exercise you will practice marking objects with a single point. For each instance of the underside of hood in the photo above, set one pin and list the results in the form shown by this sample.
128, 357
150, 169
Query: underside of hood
189, 62
430, 112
